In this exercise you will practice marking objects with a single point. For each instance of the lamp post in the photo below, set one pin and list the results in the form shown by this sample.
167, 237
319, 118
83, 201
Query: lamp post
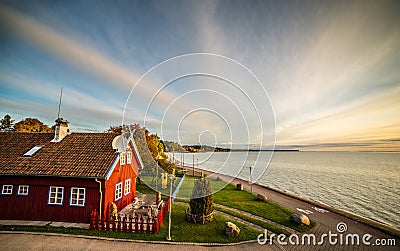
172, 177
250, 180
193, 164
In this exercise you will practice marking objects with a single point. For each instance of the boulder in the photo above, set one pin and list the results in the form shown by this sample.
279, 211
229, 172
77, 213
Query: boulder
300, 219
262, 197
239, 187
231, 229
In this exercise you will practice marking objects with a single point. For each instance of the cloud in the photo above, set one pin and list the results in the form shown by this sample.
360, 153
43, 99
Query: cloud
90, 108
83, 57
372, 118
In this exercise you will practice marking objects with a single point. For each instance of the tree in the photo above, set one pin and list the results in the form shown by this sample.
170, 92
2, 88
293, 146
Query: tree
150, 147
6, 123
201, 202
31, 125
123, 128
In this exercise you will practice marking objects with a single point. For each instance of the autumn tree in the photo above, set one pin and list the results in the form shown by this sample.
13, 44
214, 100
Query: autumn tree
150, 147
31, 125
6, 123
118, 129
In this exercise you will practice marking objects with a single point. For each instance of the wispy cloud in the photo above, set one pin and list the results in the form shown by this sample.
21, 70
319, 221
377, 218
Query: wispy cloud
369, 119
89, 108
76, 53
330, 69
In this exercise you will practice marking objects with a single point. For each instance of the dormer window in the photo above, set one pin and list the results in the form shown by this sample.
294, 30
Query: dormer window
33, 151
129, 157
122, 159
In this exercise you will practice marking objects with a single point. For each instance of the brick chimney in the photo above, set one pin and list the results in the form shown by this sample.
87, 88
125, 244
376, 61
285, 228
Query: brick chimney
61, 130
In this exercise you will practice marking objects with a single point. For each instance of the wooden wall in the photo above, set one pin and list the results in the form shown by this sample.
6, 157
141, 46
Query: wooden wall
35, 206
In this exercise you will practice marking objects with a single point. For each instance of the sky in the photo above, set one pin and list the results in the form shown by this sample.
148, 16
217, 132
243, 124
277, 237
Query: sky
309, 75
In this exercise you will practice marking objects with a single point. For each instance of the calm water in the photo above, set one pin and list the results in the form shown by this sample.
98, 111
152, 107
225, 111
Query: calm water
364, 183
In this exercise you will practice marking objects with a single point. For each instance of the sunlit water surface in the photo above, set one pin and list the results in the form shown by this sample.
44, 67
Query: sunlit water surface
365, 183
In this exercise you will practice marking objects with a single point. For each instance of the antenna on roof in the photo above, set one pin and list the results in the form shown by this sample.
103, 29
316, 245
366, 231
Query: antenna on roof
61, 127
59, 104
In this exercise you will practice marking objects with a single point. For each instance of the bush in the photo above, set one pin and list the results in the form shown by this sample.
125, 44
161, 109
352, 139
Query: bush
201, 202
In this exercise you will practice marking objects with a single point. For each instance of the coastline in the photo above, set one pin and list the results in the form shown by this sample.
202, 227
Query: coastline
392, 231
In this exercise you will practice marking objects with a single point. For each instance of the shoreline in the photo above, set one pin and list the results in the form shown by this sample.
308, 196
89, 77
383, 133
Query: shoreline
358, 218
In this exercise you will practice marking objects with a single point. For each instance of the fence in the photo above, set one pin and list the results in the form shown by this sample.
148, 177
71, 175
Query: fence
128, 223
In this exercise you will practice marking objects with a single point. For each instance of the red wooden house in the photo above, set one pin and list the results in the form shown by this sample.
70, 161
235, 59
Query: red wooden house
65, 176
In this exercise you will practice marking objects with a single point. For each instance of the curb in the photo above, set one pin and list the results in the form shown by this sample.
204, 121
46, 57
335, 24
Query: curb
128, 240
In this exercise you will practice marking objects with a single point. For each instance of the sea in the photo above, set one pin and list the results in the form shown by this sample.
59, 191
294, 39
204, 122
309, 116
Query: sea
364, 183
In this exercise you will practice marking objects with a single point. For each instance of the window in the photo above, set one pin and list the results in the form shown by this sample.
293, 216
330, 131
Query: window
129, 157
127, 187
33, 151
77, 196
7, 189
23, 190
56, 195
122, 159
118, 191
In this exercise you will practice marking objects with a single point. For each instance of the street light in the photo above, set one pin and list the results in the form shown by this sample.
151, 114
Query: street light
250, 180
172, 177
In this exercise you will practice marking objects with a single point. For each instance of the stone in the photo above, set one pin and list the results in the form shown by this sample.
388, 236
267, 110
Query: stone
231, 230
262, 197
239, 187
300, 219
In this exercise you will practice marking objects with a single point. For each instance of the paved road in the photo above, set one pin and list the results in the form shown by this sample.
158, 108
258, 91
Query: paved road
25, 242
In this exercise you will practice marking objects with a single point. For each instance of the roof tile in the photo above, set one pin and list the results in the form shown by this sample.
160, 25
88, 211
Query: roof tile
77, 155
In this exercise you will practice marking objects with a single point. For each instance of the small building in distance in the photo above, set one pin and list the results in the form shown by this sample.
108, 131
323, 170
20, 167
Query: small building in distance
65, 176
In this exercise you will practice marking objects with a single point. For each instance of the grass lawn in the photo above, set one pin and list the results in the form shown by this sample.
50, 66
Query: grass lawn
213, 231
248, 202
260, 223
228, 195
181, 231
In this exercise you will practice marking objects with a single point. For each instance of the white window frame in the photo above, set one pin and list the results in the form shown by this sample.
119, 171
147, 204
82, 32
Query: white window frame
23, 190
76, 193
7, 190
122, 159
129, 157
118, 191
54, 195
127, 187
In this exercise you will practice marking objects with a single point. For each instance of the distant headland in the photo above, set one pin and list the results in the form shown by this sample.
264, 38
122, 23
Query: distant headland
175, 147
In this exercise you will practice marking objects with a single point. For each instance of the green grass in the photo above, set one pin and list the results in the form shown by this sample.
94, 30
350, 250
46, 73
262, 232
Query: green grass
246, 201
185, 191
227, 195
143, 188
210, 232
181, 231
260, 223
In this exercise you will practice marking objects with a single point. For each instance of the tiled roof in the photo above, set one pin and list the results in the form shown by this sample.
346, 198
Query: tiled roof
77, 155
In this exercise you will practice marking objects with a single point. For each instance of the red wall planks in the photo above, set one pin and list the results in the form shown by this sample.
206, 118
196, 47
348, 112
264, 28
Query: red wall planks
35, 206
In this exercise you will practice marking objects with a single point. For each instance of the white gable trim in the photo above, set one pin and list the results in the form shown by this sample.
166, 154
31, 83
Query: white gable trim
112, 167
116, 160
136, 152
